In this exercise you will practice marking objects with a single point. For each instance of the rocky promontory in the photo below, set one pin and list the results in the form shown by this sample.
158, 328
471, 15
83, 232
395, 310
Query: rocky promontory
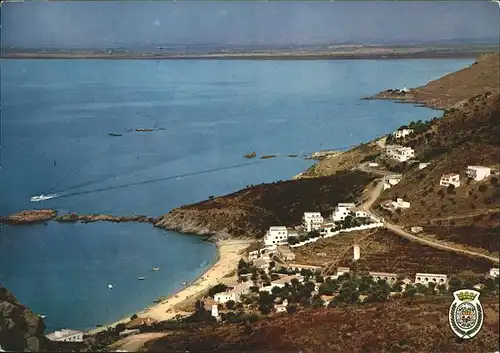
450, 91
20, 329
248, 213
44, 215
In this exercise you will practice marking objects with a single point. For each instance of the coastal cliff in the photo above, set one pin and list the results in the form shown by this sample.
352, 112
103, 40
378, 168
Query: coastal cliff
453, 89
248, 213
20, 329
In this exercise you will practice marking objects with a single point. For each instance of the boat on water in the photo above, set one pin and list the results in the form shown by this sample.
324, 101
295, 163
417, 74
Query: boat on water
159, 300
114, 134
155, 269
42, 197
42, 316
110, 286
142, 278
184, 283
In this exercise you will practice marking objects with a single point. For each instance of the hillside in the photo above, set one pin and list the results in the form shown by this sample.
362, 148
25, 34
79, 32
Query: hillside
465, 136
397, 326
450, 90
383, 251
20, 329
251, 211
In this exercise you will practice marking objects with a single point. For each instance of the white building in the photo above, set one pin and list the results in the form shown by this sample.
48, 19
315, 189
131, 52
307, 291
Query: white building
416, 229
401, 154
312, 221
281, 308
233, 294
426, 278
373, 164
402, 133
494, 272
399, 203
276, 235
215, 311
357, 252
359, 213
478, 173
388, 277
422, 165
66, 335
280, 283
391, 180
450, 179
342, 211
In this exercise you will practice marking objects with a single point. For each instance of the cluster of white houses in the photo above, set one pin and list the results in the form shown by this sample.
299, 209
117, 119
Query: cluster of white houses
278, 235
394, 205
402, 133
476, 173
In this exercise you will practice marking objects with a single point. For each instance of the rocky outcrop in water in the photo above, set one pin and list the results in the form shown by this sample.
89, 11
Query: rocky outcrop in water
20, 329
37, 216
29, 216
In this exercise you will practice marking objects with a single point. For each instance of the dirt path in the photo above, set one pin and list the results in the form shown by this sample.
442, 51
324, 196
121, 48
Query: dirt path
135, 342
374, 194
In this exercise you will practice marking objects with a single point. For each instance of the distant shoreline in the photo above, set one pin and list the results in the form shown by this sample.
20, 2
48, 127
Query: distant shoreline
248, 56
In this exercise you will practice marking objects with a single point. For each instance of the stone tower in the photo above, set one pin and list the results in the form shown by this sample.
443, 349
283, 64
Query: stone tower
357, 252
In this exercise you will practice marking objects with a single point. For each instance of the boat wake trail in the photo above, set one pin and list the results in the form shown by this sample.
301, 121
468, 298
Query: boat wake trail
179, 176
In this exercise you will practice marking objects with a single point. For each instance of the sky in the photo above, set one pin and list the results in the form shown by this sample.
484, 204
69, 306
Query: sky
98, 24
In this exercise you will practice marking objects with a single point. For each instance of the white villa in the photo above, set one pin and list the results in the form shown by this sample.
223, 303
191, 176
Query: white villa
450, 179
66, 335
341, 211
312, 221
359, 213
426, 278
233, 294
402, 133
280, 283
400, 153
422, 165
478, 173
394, 205
276, 235
391, 180
494, 272
388, 277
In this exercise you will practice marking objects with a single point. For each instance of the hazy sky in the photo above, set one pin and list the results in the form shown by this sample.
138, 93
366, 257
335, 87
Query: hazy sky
115, 23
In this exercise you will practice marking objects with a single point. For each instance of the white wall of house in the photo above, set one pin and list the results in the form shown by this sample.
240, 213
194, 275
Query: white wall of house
391, 180
312, 221
402, 133
426, 278
342, 211
422, 165
389, 277
478, 173
400, 203
66, 335
450, 179
276, 235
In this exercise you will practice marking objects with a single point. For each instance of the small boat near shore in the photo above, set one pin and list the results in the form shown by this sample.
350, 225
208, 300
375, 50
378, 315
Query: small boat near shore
114, 134
142, 278
42, 197
155, 269
184, 283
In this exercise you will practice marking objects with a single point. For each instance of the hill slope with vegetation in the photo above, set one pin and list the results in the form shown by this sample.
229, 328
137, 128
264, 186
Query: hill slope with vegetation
466, 136
251, 211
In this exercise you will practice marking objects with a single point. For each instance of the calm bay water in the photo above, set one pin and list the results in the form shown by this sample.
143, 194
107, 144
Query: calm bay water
208, 114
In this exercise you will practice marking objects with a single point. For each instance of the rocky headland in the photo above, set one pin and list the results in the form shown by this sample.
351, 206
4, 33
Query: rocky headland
44, 215
454, 89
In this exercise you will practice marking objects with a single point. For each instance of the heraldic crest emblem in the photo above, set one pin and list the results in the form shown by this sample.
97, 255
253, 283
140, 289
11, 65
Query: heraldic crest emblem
466, 314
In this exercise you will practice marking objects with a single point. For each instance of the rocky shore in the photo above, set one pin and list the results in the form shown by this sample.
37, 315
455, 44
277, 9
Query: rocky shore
44, 215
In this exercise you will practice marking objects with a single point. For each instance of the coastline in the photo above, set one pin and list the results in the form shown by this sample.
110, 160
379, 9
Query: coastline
249, 56
227, 258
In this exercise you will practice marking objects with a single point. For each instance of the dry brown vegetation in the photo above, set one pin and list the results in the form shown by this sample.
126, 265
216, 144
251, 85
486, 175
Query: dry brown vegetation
384, 251
397, 326
251, 211
451, 90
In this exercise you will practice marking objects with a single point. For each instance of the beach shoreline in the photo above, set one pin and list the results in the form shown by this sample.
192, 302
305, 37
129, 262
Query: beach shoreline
227, 258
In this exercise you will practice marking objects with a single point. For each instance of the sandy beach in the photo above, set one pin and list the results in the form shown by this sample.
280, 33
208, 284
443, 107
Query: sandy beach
229, 254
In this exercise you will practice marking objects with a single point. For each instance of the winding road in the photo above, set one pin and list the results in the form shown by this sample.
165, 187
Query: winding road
374, 194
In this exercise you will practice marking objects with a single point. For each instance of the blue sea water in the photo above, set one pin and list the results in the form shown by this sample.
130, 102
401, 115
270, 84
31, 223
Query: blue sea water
207, 115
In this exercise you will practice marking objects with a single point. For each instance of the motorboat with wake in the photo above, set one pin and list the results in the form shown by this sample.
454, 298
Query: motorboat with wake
42, 197
155, 269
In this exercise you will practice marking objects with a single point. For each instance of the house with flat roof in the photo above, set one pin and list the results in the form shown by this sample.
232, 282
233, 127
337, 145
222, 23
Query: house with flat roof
402, 133
450, 179
388, 277
426, 278
234, 293
391, 180
276, 235
342, 211
478, 173
312, 221
66, 335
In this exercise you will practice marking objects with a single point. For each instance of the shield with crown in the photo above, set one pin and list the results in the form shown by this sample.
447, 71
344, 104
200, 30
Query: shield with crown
466, 314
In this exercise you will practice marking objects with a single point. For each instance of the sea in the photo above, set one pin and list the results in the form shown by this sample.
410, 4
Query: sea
205, 114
